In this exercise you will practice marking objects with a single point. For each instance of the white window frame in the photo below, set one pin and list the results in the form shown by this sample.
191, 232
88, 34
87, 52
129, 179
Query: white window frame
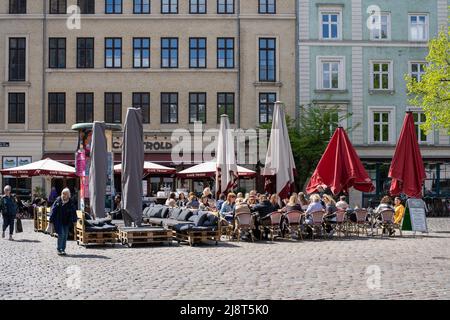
331, 10
391, 124
372, 31
390, 74
430, 136
410, 64
427, 27
320, 60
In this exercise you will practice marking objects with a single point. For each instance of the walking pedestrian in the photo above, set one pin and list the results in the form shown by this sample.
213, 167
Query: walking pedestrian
8, 207
63, 216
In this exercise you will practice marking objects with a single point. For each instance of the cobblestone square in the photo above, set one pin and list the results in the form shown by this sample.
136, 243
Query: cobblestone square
410, 268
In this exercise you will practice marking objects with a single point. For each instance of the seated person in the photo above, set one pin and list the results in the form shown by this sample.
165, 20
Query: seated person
172, 196
172, 203
314, 206
399, 210
330, 215
292, 205
204, 204
227, 209
264, 208
182, 201
342, 203
385, 204
193, 202
220, 202
274, 202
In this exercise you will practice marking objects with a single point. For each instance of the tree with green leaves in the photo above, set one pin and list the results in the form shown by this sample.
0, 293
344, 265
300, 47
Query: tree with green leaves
310, 136
432, 92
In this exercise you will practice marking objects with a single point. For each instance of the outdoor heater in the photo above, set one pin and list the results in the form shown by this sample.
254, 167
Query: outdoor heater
82, 163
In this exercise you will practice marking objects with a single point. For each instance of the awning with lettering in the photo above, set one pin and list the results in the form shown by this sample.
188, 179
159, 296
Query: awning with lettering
208, 170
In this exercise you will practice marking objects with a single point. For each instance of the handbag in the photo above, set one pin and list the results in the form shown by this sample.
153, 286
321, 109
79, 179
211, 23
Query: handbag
50, 228
19, 227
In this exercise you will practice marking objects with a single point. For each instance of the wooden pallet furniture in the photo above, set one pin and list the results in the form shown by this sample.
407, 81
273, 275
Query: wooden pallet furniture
85, 238
193, 237
41, 219
145, 235
35, 219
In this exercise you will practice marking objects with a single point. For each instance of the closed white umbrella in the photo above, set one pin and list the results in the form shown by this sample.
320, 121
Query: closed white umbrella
279, 167
150, 168
226, 167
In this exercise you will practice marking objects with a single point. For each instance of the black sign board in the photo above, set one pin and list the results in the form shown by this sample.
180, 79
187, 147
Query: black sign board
4, 144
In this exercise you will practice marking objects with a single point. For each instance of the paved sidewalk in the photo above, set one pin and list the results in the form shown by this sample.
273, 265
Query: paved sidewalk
409, 268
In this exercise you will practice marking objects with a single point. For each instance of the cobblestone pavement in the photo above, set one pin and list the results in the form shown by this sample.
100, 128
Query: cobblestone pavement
410, 268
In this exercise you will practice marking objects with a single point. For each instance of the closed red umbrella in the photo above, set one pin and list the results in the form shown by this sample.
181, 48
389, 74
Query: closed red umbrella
407, 170
340, 167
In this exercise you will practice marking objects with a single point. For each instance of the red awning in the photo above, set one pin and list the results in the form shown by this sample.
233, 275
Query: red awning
340, 167
407, 170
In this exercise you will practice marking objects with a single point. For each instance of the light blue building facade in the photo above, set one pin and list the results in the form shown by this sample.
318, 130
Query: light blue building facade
355, 54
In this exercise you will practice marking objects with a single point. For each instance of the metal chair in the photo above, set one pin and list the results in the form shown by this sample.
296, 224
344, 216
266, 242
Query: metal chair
294, 222
317, 222
361, 221
341, 223
387, 220
244, 222
272, 222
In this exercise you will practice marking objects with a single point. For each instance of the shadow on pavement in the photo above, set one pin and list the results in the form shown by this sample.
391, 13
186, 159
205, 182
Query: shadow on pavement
87, 256
27, 241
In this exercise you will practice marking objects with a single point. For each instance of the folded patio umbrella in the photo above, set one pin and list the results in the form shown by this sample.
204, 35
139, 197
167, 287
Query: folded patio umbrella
46, 167
98, 170
150, 168
132, 164
407, 170
208, 170
340, 168
279, 170
226, 167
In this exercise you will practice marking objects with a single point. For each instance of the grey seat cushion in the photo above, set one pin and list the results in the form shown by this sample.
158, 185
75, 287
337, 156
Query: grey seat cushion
184, 228
104, 228
146, 212
157, 221
156, 212
174, 213
165, 212
185, 215
171, 222
202, 217
98, 222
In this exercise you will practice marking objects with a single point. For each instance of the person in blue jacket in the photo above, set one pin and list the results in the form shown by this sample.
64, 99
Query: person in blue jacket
63, 216
8, 207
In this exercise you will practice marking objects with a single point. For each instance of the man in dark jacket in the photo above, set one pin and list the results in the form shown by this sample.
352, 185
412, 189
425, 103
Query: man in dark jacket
63, 216
263, 210
8, 207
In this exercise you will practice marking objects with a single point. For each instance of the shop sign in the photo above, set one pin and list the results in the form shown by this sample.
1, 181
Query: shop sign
4, 144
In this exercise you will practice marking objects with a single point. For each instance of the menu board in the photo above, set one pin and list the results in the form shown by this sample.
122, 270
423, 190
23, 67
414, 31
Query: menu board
417, 214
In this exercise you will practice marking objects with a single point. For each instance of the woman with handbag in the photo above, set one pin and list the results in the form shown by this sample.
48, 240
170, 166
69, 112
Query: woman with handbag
8, 207
63, 216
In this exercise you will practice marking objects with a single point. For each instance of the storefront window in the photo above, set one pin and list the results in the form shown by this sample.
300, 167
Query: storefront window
444, 181
20, 187
430, 183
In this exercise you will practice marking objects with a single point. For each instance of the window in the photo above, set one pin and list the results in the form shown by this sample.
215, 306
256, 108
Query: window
17, 59
141, 100
17, 6
141, 6
85, 53
141, 55
113, 6
197, 6
225, 53
85, 108
419, 119
197, 107
57, 53
417, 70
267, 59
87, 6
169, 107
113, 107
16, 107
381, 128
330, 24
225, 6
225, 105
380, 27
418, 27
56, 108
267, 6
169, 6
197, 52
381, 76
58, 6
113, 52
331, 74
169, 52
266, 103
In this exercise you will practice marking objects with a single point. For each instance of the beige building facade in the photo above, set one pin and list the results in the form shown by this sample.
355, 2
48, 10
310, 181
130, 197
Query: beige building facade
182, 61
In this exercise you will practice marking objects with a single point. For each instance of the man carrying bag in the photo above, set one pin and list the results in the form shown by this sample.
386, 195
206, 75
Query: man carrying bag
8, 207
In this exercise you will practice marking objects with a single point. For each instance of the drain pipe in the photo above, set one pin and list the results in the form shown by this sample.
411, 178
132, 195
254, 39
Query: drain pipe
44, 77
297, 65
238, 49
